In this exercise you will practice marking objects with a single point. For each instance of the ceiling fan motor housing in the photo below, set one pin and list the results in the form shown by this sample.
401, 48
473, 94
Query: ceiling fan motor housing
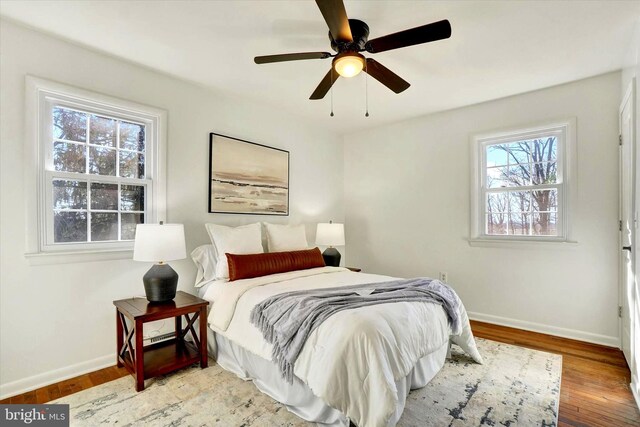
360, 33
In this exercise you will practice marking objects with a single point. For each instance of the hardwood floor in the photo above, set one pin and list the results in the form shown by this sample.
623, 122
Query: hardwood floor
594, 391
595, 379
70, 386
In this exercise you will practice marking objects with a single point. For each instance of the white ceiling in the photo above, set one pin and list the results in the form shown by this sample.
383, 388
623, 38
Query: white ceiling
497, 49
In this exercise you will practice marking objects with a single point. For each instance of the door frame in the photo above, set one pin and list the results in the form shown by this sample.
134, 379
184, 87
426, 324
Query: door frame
629, 97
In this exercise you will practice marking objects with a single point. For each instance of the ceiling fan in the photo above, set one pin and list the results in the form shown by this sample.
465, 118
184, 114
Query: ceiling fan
349, 37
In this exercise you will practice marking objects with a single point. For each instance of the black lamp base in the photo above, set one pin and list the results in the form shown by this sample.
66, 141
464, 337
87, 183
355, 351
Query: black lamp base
160, 283
331, 257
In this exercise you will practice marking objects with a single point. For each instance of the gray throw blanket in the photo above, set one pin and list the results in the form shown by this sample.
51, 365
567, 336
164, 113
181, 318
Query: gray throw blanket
286, 320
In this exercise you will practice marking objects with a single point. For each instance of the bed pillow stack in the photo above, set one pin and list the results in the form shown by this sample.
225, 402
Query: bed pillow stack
212, 261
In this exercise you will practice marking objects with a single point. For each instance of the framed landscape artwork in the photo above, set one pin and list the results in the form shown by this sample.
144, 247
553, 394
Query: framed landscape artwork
247, 178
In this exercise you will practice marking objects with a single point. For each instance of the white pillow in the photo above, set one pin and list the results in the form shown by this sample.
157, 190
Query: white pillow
282, 238
246, 239
204, 258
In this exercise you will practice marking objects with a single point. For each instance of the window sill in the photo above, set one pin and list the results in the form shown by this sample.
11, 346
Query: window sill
47, 258
521, 243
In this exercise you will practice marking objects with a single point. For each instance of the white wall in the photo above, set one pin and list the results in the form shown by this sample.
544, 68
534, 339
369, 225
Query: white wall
407, 212
58, 320
632, 71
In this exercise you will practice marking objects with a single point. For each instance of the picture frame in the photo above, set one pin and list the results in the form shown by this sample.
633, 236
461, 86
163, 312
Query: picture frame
247, 178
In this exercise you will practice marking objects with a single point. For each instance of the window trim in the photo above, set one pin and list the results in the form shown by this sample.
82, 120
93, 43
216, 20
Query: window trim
40, 95
566, 171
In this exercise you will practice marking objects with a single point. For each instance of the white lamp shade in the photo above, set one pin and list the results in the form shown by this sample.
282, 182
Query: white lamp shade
330, 234
155, 242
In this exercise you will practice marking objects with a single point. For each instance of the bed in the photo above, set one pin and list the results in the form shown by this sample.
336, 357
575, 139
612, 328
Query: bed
357, 367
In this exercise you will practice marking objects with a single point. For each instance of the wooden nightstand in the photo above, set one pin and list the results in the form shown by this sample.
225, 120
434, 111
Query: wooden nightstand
166, 356
356, 269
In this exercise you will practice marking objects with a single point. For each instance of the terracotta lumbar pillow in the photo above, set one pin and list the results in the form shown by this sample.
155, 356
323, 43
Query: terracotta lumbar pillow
256, 265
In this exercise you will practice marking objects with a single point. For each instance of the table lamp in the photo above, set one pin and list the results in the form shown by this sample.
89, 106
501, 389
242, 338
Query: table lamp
330, 235
159, 243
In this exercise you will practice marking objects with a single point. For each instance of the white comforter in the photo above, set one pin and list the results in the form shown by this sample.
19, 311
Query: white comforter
354, 358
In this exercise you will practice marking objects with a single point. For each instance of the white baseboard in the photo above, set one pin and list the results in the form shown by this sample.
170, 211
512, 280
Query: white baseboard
635, 389
40, 380
547, 329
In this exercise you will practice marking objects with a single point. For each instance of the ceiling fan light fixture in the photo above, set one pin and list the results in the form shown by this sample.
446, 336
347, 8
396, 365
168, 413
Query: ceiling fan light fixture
348, 64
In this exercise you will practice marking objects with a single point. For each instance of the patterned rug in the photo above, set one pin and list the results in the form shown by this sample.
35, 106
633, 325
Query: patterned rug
515, 386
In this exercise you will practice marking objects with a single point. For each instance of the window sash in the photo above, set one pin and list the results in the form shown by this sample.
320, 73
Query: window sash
87, 144
559, 212
92, 178
560, 148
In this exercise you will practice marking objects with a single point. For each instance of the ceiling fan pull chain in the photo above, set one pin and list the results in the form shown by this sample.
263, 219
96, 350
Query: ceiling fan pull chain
331, 92
366, 90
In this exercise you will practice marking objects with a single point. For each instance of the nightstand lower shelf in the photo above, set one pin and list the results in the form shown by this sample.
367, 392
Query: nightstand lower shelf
164, 357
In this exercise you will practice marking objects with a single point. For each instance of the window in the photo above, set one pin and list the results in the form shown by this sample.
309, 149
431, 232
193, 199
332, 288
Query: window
521, 184
99, 171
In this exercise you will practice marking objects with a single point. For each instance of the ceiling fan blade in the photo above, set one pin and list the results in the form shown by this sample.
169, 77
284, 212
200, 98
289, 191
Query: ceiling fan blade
290, 57
335, 15
386, 76
324, 86
424, 34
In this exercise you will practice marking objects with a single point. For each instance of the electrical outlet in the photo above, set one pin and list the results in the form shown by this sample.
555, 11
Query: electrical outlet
444, 276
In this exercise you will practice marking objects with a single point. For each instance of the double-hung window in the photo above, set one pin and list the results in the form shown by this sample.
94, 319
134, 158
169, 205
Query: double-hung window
521, 183
99, 170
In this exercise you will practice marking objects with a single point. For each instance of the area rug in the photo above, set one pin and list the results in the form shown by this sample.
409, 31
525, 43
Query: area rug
515, 386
